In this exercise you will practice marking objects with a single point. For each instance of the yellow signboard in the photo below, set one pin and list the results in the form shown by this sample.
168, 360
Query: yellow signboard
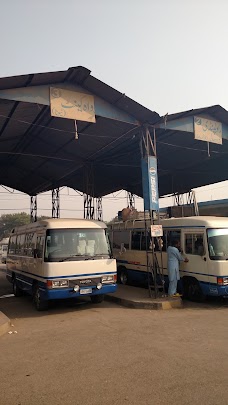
71, 104
207, 130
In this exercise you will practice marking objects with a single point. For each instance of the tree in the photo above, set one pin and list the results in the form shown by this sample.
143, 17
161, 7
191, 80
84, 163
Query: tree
10, 221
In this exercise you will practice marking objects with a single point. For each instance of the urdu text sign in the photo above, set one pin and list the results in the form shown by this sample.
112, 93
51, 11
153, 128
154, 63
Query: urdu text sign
72, 105
207, 130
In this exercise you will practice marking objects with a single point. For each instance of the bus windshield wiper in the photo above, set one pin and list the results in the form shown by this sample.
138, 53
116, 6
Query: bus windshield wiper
84, 257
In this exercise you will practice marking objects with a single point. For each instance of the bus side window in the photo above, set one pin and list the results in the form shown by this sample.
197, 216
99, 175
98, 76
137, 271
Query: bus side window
29, 244
136, 240
121, 238
20, 244
159, 244
17, 245
145, 241
39, 246
194, 244
172, 235
12, 245
110, 235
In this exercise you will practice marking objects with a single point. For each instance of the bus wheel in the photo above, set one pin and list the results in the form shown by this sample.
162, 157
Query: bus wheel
40, 304
16, 290
185, 284
122, 276
97, 299
194, 291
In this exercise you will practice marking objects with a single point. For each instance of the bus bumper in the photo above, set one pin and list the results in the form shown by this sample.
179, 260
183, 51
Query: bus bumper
214, 289
66, 293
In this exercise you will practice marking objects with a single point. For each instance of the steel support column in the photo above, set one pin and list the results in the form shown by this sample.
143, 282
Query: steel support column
154, 269
55, 203
99, 209
186, 201
89, 210
130, 200
33, 208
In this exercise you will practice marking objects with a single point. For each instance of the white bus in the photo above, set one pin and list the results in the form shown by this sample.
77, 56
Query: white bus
61, 258
3, 249
204, 240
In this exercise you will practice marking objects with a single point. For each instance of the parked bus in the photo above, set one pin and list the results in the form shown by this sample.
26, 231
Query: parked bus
61, 258
204, 240
3, 249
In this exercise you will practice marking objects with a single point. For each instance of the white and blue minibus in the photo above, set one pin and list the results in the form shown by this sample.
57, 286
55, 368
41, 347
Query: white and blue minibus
204, 241
61, 258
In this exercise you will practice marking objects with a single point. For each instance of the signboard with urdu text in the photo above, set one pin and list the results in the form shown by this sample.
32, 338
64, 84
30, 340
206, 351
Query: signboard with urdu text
207, 130
71, 104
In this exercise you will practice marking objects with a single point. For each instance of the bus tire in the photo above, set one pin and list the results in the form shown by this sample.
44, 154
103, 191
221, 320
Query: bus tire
97, 299
185, 284
40, 304
122, 275
16, 290
195, 292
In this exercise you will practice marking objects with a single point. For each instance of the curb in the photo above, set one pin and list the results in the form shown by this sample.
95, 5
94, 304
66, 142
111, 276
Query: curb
4, 323
153, 304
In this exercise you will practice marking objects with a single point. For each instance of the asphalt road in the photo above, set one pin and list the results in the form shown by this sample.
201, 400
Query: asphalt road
106, 354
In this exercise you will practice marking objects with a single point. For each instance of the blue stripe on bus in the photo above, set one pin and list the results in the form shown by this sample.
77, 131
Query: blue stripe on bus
68, 276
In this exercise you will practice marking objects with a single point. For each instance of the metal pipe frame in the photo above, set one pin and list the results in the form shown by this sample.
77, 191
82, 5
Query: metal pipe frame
99, 209
55, 203
89, 209
130, 200
148, 148
33, 208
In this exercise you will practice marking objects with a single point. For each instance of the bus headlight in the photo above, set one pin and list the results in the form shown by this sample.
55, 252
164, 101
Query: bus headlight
99, 286
76, 288
108, 279
58, 283
222, 280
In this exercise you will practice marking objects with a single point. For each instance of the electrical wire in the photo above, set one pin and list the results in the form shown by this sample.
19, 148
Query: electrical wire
189, 148
53, 129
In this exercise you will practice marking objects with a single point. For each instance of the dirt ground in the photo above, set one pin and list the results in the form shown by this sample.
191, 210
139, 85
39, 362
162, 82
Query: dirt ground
106, 354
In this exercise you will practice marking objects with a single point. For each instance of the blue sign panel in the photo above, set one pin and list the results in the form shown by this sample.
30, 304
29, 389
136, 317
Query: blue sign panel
150, 183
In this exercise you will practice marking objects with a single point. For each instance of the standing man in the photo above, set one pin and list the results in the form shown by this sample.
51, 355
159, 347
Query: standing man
174, 258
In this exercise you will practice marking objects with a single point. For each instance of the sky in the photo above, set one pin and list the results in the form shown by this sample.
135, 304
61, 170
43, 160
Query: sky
168, 55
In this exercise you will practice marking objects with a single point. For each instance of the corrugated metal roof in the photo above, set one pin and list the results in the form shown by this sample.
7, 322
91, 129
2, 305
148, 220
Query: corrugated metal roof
39, 152
219, 113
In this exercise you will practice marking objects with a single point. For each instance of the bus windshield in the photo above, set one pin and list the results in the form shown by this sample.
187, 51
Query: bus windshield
218, 244
74, 244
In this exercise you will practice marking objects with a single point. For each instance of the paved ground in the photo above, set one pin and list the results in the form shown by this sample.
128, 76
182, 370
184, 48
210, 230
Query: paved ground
106, 354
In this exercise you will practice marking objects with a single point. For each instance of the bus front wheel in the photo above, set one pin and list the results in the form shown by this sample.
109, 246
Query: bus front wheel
97, 299
195, 292
122, 276
40, 304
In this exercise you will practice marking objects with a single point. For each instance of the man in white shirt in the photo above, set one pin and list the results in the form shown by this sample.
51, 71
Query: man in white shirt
174, 258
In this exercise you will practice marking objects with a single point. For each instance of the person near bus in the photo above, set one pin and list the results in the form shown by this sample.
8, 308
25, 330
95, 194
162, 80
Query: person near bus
174, 259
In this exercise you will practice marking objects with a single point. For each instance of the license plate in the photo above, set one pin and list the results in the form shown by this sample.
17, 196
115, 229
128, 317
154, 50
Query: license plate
85, 291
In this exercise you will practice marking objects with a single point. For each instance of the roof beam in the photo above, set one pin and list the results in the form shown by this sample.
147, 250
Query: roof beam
186, 124
41, 95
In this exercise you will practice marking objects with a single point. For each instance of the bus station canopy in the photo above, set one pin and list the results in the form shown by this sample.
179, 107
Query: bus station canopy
41, 150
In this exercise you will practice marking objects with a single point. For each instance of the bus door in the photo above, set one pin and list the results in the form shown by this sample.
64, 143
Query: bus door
194, 248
